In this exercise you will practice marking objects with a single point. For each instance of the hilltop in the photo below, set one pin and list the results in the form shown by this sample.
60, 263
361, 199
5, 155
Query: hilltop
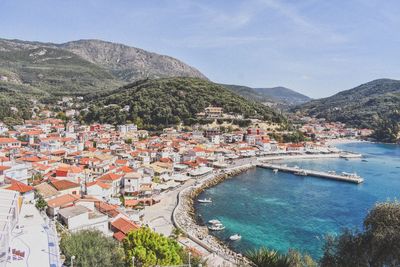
130, 63
284, 95
47, 71
362, 106
167, 101
80, 67
281, 97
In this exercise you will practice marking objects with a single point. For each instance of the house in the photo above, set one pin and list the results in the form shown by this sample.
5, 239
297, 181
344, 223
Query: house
115, 180
25, 191
213, 112
3, 128
46, 191
121, 227
55, 204
99, 189
19, 171
80, 217
66, 187
6, 142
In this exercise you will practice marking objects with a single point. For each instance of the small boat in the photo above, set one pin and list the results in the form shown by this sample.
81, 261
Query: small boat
205, 200
364, 160
275, 170
214, 221
216, 227
235, 237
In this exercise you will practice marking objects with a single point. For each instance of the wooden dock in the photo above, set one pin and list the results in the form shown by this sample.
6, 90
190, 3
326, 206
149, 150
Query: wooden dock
321, 174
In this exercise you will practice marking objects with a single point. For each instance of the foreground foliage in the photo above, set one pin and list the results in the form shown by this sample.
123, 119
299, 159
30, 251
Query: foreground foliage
377, 245
264, 257
150, 248
91, 248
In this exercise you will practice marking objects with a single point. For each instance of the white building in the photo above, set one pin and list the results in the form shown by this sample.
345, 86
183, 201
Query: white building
80, 217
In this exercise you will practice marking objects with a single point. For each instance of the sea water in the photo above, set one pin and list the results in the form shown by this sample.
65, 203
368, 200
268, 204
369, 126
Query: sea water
282, 210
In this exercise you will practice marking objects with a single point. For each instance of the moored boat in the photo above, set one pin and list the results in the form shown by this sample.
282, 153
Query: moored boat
235, 237
205, 200
216, 227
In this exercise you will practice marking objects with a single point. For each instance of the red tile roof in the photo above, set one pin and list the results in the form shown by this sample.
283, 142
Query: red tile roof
63, 184
19, 187
119, 236
62, 200
109, 177
124, 225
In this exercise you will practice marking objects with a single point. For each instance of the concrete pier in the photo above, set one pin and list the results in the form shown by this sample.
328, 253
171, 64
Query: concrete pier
328, 175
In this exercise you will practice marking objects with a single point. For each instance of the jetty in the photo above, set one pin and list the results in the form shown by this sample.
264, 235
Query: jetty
345, 177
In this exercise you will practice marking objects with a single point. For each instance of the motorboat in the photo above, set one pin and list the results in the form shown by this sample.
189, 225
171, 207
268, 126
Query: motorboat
216, 227
214, 221
205, 200
235, 237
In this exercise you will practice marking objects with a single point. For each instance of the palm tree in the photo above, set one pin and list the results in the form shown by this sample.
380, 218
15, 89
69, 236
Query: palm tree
264, 257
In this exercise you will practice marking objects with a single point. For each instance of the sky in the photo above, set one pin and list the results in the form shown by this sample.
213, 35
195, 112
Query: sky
315, 47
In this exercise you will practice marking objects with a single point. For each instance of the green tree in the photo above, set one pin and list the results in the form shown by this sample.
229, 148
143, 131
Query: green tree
377, 245
91, 248
40, 204
150, 248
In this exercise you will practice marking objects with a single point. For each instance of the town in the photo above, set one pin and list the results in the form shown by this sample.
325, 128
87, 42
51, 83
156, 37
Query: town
60, 175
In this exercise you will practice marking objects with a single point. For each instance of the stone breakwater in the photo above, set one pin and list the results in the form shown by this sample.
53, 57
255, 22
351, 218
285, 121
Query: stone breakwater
184, 218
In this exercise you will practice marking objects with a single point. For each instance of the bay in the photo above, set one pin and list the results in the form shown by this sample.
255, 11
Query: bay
282, 211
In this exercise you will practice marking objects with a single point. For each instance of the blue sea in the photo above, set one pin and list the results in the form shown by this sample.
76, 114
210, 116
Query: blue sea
282, 211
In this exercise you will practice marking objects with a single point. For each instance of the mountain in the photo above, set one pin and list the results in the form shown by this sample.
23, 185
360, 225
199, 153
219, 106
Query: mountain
247, 92
82, 66
41, 69
280, 97
283, 94
157, 103
130, 63
363, 106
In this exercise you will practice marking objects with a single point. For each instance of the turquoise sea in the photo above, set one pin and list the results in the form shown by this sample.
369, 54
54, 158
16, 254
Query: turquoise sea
282, 211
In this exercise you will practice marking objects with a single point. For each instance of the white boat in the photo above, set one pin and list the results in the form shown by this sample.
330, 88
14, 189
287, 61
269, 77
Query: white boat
205, 200
275, 170
216, 227
214, 221
235, 237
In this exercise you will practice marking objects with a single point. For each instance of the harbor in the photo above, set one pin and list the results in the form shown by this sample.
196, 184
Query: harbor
345, 177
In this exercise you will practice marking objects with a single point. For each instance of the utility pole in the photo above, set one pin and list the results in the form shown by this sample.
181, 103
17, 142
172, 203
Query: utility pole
72, 260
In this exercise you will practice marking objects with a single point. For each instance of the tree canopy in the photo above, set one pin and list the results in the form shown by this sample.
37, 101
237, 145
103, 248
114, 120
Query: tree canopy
91, 248
377, 245
150, 248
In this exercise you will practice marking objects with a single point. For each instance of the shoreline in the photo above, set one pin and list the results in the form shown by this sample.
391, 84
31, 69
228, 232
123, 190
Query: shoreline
184, 217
